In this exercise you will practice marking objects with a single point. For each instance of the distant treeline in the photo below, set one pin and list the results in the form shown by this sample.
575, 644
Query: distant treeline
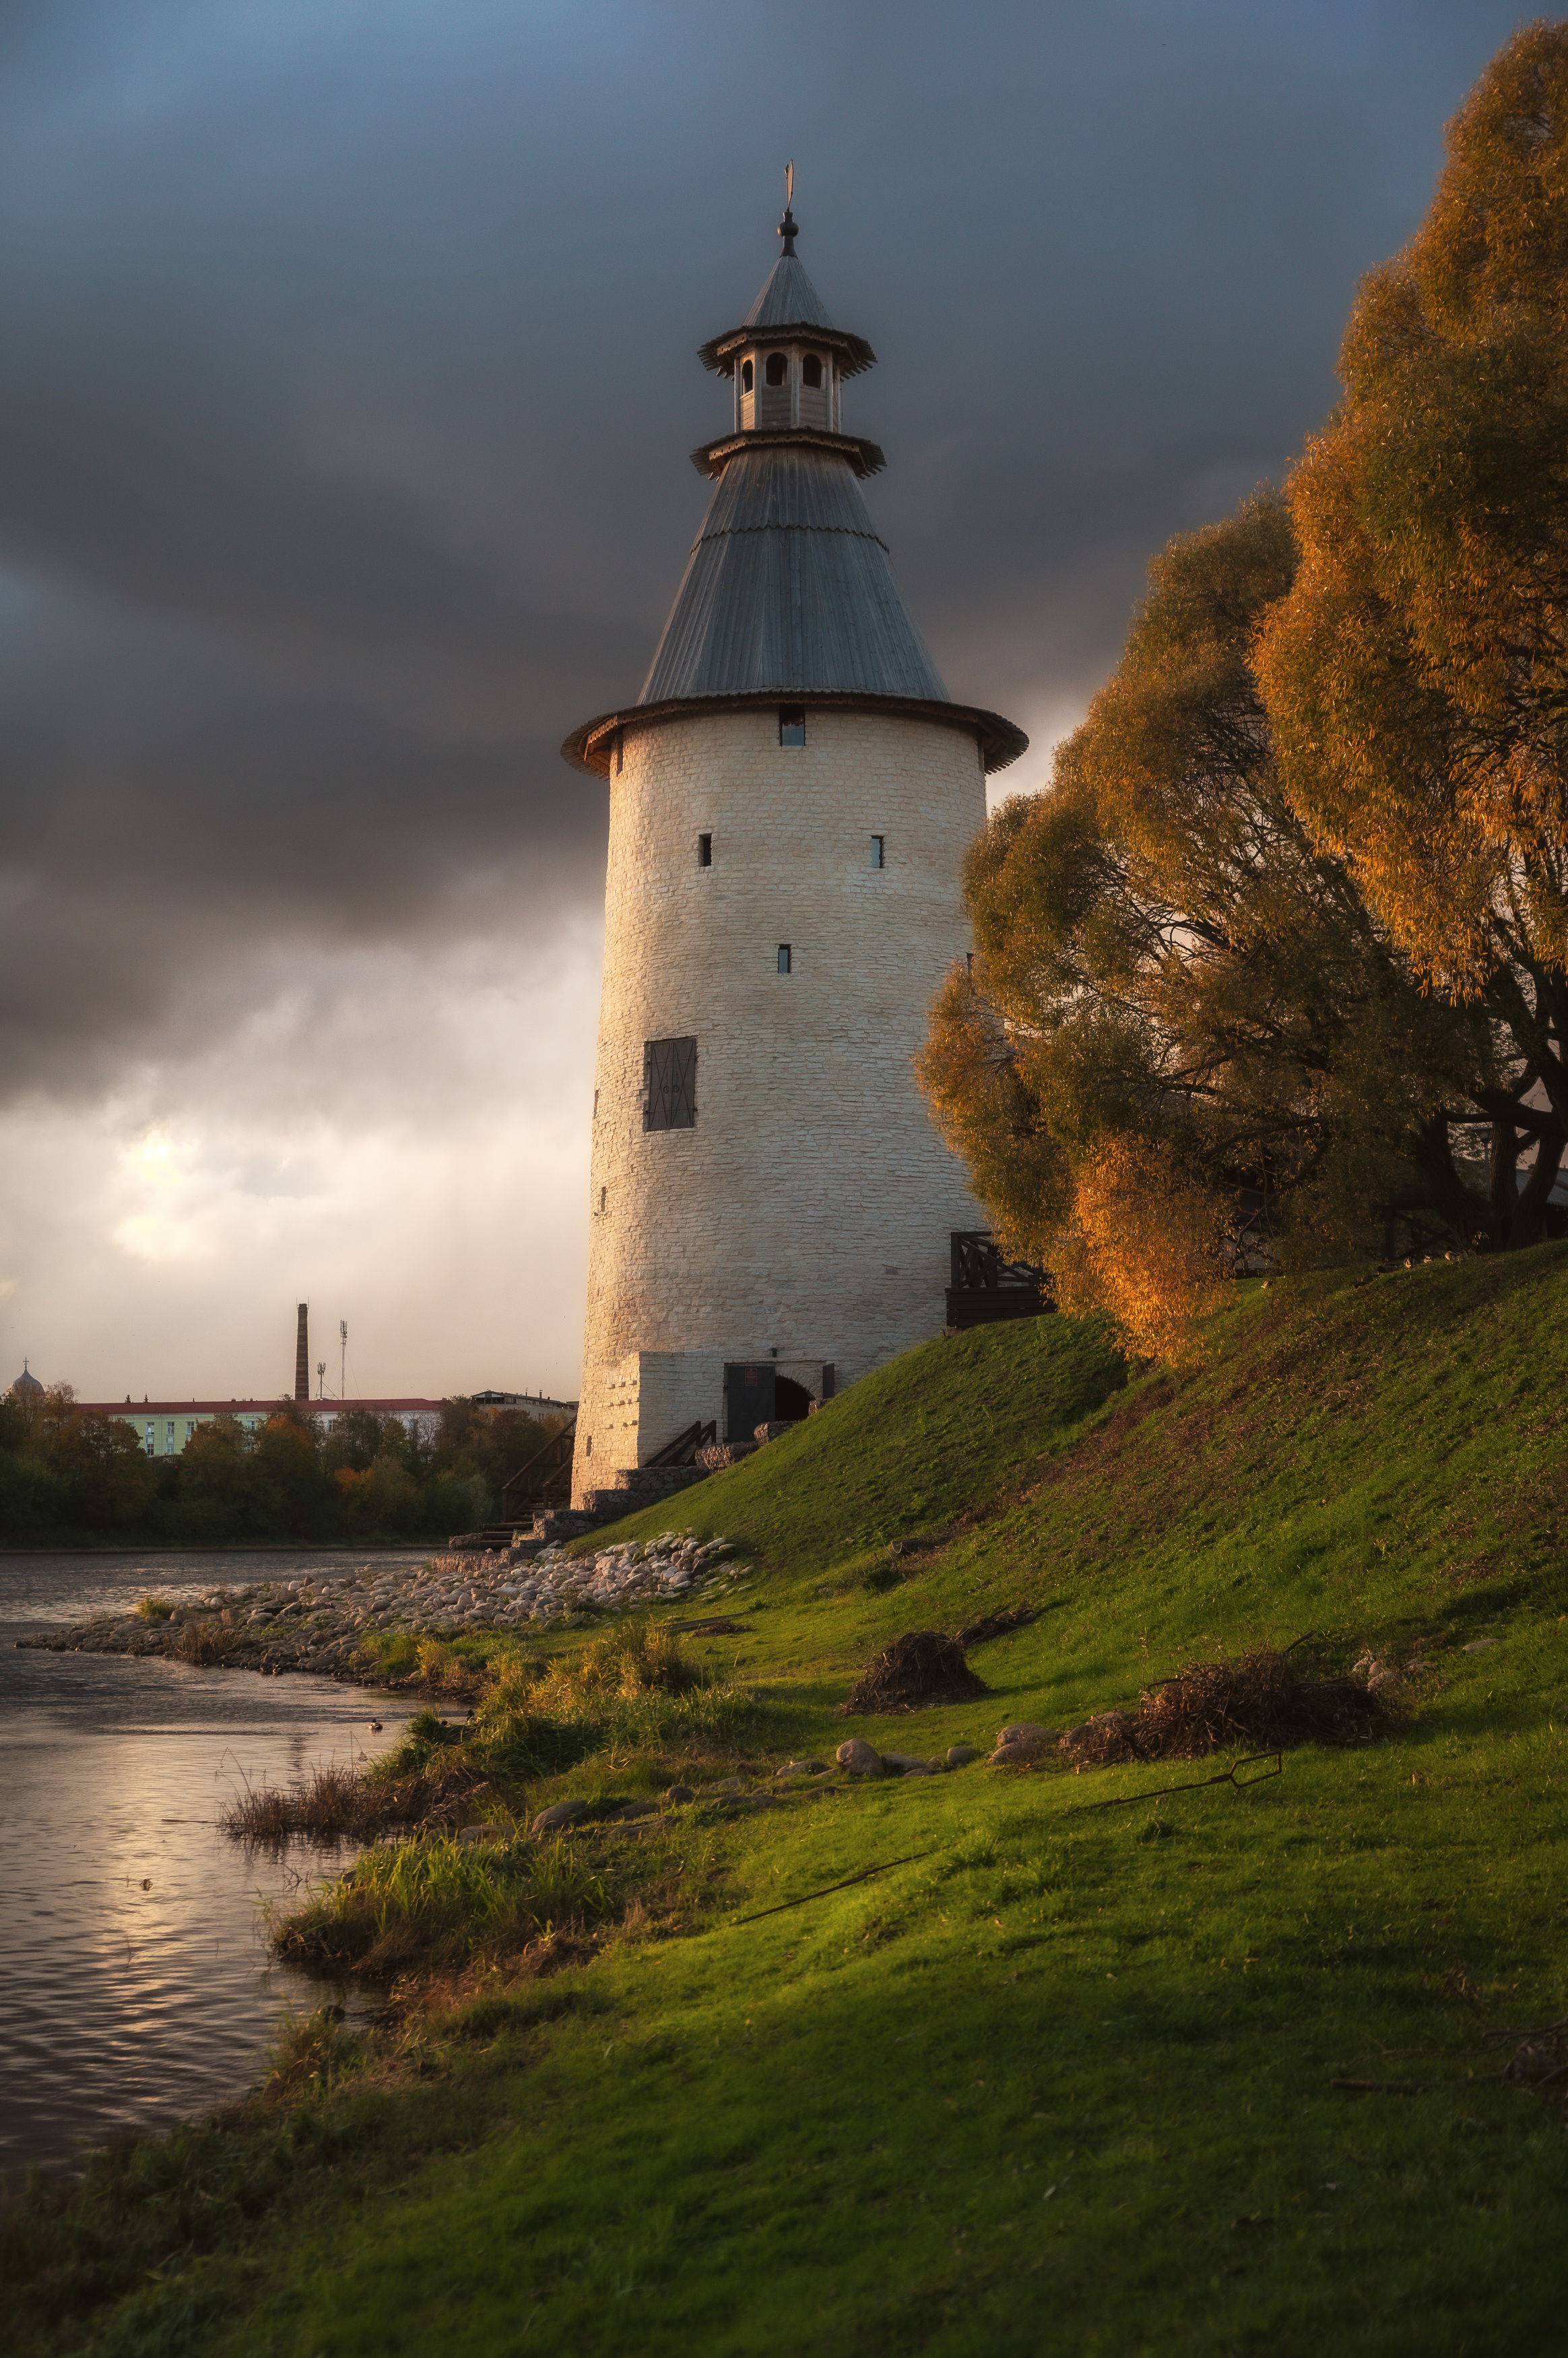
66, 1475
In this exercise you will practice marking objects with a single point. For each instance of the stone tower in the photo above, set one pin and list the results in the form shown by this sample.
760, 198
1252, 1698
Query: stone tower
791, 798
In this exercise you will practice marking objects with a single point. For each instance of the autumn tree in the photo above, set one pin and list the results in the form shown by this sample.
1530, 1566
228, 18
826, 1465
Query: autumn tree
1416, 677
1179, 1003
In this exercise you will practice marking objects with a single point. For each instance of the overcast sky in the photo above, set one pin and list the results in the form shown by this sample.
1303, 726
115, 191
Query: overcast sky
347, 382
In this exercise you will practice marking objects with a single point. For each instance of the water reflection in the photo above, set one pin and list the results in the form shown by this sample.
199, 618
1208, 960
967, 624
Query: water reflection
137, 1986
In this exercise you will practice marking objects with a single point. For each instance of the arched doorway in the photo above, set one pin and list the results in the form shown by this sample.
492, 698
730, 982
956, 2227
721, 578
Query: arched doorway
791, 1400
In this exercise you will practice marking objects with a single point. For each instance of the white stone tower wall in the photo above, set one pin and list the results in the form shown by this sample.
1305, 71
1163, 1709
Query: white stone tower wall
807, 1212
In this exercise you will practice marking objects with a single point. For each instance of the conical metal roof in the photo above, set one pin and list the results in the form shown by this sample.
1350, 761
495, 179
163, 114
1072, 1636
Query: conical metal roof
787, 299
788, 591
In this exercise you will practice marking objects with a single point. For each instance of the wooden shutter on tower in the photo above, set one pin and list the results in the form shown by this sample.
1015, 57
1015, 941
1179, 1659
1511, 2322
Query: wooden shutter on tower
669, 1084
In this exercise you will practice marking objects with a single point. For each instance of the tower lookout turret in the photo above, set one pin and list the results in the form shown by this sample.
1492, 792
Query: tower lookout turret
791, 798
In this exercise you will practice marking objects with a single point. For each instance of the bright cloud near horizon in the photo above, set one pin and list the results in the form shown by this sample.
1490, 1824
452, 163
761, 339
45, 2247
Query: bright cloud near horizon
348, 381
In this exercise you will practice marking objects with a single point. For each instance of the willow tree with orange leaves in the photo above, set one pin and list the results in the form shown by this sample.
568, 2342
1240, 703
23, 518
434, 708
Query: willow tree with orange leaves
1183, 1022
1416, 677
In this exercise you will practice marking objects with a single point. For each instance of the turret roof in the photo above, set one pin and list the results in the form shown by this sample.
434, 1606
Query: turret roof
787, 298
787, 303
788, 591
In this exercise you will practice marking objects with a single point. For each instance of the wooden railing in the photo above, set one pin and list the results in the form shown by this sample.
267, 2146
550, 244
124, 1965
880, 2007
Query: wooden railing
546, 1479
683, 1449
985, 1286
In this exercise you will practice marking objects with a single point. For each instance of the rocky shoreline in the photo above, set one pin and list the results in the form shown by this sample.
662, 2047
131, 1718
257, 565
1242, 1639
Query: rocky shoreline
323, 1627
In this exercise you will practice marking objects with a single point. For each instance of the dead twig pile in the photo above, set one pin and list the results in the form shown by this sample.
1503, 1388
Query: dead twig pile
1264, 1700
927, 1667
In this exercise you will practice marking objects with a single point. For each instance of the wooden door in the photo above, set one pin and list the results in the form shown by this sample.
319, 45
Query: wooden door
748, 1398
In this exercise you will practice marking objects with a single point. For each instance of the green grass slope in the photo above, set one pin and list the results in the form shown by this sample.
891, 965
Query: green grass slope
1057, 2073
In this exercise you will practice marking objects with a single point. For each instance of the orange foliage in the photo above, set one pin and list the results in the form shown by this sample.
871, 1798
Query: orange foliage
1147, 1245
1416, 678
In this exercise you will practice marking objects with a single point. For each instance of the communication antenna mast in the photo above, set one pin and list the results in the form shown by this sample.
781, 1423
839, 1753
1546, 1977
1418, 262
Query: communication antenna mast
343, 1359
321, 1374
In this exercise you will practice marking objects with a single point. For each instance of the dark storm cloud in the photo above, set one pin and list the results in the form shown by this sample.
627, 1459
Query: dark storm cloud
347, 383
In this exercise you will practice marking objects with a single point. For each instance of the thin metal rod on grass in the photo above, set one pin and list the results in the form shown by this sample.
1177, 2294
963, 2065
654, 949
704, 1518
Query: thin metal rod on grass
1230, 1776
864, 1875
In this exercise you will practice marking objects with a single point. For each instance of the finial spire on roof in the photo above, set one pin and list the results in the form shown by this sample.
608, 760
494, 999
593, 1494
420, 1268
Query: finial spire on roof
788, 229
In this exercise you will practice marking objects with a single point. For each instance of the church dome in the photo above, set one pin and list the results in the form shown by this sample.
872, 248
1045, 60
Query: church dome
26, 1382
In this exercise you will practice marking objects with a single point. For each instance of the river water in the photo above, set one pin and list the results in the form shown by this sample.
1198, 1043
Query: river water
136, 1987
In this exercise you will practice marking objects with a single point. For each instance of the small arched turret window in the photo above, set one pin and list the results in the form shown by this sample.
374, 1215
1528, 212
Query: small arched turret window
811, 371
746, 379
778, 368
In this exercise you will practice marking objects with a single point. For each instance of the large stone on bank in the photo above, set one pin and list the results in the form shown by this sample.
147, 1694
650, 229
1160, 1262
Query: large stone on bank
861, 1758
559, 1814
1017, 1746
909, 1764
960, 1754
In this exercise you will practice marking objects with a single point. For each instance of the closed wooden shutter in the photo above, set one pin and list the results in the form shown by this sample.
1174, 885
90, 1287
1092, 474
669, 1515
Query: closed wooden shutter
669, 1084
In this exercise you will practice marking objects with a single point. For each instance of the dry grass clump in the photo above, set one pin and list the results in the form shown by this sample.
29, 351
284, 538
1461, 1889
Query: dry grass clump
443, 1671
432, 1905
623, 1664
334, 1801
202, 1642
310, 2055
1265, 1700
927, 1667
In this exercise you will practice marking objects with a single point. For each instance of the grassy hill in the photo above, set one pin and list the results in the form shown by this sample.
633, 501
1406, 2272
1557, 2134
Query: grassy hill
1059, 2073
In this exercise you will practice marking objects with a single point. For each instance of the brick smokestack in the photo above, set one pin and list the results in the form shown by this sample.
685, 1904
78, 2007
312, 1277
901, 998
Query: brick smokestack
302, 1355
